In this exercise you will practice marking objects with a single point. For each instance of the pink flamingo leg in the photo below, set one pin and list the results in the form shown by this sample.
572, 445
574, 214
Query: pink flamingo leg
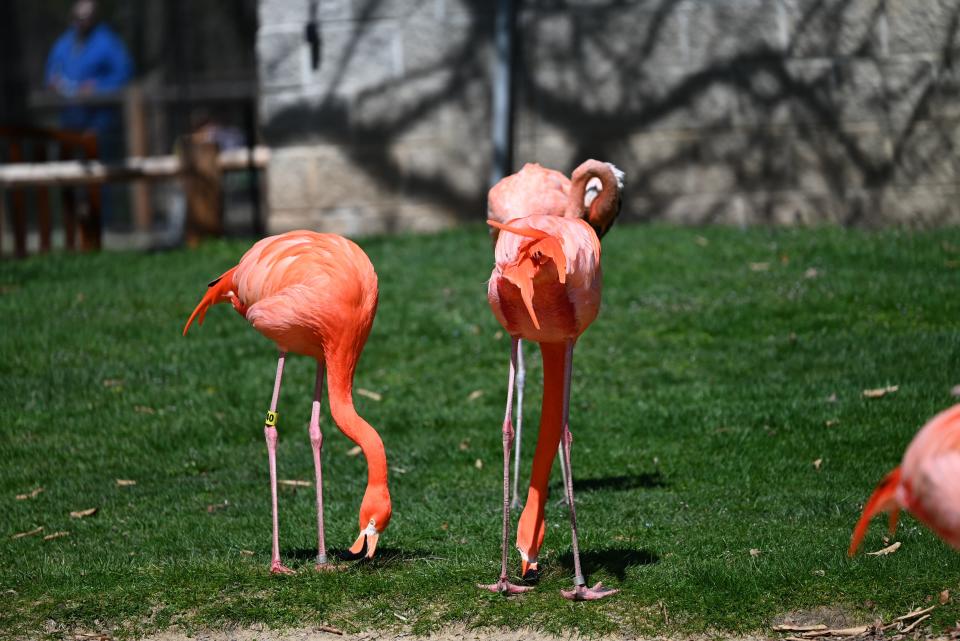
316, 441
521, 377
504, 586
270, 432
580, 591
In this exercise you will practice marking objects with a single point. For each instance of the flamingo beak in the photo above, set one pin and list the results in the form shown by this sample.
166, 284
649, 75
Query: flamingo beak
364, 547
529, 571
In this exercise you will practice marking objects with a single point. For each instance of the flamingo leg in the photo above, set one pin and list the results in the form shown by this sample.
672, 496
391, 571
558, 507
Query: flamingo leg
521, 377
580, 591
316, 442
564, 472
503, 585
270, 432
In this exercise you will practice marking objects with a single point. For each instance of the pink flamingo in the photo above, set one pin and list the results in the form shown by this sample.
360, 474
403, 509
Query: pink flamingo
545, 287
313, 294
592, 193
926, 483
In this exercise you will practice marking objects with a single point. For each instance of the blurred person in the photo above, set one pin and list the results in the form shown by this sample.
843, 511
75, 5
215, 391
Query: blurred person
87, 60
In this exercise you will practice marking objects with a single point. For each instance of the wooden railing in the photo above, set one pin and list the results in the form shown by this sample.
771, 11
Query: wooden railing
72, 148
198, 164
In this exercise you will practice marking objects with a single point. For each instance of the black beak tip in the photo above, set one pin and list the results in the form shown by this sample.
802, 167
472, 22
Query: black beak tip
531, 576
348, 555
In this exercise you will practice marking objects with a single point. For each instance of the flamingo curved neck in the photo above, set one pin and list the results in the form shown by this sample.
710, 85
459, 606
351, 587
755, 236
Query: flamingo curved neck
357, 430
597, 208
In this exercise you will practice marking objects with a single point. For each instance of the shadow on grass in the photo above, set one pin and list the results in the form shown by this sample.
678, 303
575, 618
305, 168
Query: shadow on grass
385, 555
613, 560
622, 482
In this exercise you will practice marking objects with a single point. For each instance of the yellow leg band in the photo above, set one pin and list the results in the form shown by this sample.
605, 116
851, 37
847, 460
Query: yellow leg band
271, 418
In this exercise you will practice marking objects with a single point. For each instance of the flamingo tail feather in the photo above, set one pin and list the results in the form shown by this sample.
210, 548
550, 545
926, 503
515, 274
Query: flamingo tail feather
883, 499
531, 256
217, 292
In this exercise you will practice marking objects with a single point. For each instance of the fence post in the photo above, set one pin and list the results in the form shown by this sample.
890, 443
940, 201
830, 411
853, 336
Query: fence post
43, 200
135, 119
18, 206
202, 185
90, 224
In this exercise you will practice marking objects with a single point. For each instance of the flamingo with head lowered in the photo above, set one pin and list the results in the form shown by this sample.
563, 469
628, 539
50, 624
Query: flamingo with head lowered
926, 483
592, 193
545, 287
313, 294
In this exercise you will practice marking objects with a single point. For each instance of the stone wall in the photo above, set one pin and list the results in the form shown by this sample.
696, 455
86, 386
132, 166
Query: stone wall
733, 111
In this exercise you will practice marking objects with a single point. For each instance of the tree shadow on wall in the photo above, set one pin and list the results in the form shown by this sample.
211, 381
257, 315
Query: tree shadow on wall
811, 115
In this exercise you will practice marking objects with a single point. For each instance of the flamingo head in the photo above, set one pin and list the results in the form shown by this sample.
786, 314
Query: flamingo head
375, 513
596, 193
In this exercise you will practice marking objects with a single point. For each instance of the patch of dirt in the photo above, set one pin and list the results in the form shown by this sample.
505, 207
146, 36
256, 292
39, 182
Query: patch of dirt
832, 617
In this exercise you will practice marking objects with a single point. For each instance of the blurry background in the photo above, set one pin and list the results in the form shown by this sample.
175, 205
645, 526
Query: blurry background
377, 113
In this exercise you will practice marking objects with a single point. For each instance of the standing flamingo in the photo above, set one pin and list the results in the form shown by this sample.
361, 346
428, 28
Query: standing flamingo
313, 294
592, 194
926, 483
545, 287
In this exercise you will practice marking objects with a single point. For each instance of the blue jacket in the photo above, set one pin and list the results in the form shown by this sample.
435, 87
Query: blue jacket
101, 59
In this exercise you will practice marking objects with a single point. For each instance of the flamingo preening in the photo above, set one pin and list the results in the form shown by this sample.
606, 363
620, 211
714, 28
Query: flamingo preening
592, 193
926, 483
313, 294
545, 287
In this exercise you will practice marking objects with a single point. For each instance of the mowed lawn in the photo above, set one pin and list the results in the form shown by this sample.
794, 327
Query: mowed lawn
723, 365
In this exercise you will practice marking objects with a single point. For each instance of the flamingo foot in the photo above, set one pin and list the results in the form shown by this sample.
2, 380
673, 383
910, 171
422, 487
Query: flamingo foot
504, 587
279, 568
583, 593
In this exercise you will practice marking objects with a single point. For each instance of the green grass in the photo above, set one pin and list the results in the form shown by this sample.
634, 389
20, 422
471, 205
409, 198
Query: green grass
700, 401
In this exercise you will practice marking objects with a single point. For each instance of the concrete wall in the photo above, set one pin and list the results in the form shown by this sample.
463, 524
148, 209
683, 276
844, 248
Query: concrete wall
734, 111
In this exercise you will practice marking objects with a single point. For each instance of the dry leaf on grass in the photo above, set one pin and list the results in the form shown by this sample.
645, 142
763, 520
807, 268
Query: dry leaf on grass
55, 535
82, 514
465, 445
832, 398
754, 552
700, 240
353, 451
30, 495
915, 613
811, 272
759, 267
944, 597
497, 335
880, 392
246, 552
955, 390
112, 382
890, 549
475, 394
294, 483
143, 409
817, 464
830, 422
20, 535
125, 482
330, 629
213, 507
789, 627
913, 625
398, 470
478, 464
373, 396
